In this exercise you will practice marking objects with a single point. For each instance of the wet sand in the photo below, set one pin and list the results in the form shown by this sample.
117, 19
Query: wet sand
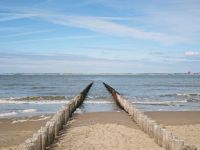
14, 131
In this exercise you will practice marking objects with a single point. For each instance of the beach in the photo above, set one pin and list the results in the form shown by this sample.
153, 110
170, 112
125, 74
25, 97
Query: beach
14, 131
99, 118
184, 124
116, 130
102, 130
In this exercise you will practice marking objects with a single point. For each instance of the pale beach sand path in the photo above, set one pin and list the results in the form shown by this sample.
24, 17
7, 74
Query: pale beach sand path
103, 130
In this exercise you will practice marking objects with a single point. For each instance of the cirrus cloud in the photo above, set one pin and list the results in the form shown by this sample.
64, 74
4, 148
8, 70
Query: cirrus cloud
192, 54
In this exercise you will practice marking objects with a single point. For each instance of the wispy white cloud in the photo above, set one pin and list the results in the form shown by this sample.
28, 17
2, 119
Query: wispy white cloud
68, 63
75, 37
26, 33
101, 25
15, 16
173, 17
8, 29
105, 25
192, 54
115, 4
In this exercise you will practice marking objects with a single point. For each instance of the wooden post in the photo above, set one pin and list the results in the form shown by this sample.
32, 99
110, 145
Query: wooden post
145, 125
45, 136
136, 112
23, 146
177, 144
57, 126
164, 139
61, 119
43, 132
51, 132
142, 121
161, 136
71, 108
29, 144
171, 138
151, 128
48, 133
155, 132
130, 108
189, 147
66, 114
37, 140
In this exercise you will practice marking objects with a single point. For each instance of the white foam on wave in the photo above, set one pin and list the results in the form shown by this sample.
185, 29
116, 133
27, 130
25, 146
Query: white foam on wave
43, 118
19, 121
28, 110
7, 114
78, 111
98, 102
25, 120
4, 101
159, 102
181, 94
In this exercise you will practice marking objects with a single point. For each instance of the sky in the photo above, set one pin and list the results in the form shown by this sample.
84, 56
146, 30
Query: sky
99, 36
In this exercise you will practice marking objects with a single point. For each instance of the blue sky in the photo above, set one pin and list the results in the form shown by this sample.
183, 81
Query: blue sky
99, 36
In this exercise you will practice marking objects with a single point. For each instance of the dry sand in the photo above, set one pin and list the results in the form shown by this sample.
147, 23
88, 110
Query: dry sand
16, 130
175, 117
184, 124
104, 130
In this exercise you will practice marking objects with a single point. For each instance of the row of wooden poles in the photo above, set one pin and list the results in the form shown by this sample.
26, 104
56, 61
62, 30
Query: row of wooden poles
162, 136
45, 136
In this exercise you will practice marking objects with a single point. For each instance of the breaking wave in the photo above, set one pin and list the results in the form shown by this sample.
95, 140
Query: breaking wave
98, 102
3, 101
6, 114
164, 103
28, 110
181, 94
36, 100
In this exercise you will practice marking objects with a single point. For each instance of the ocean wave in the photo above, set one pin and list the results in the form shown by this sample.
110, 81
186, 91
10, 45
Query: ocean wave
193, 100
164, 103
6, 114
25, 120
5, 101
180, 94
97, 102
32, 98
42, 87
98, 97
28, 110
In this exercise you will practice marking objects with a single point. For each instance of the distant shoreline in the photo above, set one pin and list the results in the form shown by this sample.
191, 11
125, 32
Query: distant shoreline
87, 74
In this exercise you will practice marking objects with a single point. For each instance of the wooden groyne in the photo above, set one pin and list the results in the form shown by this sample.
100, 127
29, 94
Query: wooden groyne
45, 136
162, 136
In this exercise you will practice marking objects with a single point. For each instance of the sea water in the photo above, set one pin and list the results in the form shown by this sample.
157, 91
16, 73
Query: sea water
35, 94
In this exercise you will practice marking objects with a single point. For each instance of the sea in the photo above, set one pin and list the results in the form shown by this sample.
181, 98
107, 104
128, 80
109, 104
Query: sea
37, 94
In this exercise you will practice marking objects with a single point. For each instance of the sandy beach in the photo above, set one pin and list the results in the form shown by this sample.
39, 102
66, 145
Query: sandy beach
102, 130
116, 130
175, 117
184, 124
14, 131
